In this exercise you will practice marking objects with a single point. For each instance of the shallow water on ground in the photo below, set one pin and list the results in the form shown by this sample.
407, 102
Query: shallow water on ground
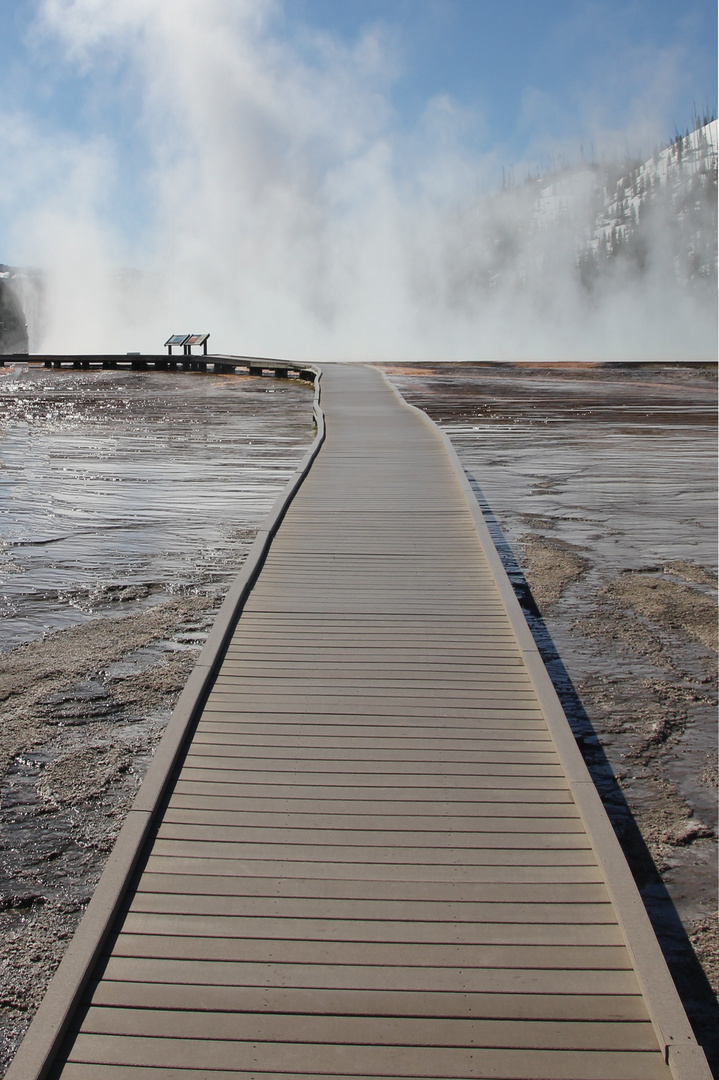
625, 464
119, 490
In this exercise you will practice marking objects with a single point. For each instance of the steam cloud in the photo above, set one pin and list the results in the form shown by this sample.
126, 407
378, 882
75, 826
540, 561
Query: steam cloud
285, 210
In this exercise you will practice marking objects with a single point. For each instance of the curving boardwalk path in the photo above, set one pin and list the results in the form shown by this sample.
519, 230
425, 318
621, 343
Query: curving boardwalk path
381, 855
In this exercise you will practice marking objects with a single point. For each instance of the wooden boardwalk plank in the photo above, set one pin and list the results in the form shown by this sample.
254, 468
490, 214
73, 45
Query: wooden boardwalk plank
347, 976
306, 1001
357, 928
321, 1059
511, 1069
500, 788
209, 839
541, 871
196, 818
332, 737
369, 909
370, 1031
526, 804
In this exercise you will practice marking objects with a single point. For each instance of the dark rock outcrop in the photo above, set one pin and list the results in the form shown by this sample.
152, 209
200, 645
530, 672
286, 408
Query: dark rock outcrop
13, 327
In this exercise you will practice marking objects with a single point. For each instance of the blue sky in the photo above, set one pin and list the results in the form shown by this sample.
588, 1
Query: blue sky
505, 59
294, 147
529, 73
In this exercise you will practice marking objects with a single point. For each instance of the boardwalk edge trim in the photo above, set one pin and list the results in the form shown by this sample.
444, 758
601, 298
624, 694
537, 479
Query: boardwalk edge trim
36, 1053
682, 1053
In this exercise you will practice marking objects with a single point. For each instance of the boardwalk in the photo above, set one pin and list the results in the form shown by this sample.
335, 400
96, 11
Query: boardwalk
381, 855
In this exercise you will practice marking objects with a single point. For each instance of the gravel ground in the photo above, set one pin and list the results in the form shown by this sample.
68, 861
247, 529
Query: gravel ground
83, 710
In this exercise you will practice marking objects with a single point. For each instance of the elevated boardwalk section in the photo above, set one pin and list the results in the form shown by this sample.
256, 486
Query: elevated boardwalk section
368, 846
217, 363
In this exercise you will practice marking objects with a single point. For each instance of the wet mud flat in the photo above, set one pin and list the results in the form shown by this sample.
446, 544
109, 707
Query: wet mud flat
599, 485
127, 504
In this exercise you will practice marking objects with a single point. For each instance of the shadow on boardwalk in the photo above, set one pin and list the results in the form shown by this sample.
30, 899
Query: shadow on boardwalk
694, 988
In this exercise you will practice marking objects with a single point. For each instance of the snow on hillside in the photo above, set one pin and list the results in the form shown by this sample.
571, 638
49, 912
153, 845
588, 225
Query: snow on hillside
636, 209
610, 260
681, 181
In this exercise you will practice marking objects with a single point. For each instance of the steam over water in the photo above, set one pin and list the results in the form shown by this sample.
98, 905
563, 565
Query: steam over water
235, 170
120, 491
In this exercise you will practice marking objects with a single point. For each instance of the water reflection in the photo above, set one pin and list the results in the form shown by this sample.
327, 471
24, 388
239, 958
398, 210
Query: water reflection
625, 465
121, 489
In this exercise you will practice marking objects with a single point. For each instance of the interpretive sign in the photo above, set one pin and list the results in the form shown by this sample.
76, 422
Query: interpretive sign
187, 341
196, 339
176, 339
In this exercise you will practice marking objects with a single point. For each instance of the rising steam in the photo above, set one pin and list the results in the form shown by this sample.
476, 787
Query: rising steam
284, 209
